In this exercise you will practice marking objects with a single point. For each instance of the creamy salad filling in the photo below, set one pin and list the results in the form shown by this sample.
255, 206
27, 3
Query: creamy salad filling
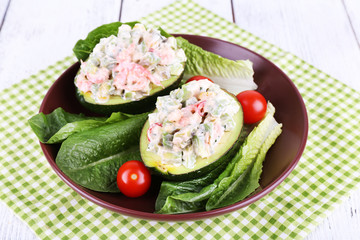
130, 64
190, 122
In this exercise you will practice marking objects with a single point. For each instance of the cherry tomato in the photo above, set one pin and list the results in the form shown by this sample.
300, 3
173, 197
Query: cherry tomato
133, 179
254, 106
196, 78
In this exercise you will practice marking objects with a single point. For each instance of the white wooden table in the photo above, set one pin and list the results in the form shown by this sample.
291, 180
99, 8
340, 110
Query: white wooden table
325, 33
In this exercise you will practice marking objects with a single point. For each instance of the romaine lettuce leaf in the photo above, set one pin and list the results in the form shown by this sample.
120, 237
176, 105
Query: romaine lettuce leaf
244, 177
192, 187
92, 158
234, 76
55, 127
251, 183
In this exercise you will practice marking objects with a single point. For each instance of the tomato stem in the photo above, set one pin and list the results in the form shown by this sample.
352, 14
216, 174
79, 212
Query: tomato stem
134, 176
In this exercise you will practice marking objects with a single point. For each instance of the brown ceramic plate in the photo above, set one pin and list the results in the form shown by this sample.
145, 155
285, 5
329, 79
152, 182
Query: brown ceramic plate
280, 160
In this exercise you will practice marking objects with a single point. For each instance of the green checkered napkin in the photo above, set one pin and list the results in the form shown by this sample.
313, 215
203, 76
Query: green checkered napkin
324, 177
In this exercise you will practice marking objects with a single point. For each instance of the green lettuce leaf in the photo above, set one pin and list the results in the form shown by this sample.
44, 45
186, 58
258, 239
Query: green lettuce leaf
55, 127
92, 158
251, 182
246, 173
169, 189
235, 76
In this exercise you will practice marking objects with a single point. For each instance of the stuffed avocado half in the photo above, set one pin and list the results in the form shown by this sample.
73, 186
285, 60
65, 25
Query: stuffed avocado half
193, 130
128, 69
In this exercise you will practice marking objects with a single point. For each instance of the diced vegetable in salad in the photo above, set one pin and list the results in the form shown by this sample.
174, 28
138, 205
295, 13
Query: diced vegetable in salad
190, 122
130, 64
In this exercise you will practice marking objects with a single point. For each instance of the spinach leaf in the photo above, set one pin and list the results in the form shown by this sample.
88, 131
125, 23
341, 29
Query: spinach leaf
55, 127
84, 47
91, 158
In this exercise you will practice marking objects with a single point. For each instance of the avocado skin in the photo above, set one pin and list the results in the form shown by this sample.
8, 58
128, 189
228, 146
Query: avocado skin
135, 107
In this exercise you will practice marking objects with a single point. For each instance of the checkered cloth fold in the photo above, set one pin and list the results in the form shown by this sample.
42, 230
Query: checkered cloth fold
326, 174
